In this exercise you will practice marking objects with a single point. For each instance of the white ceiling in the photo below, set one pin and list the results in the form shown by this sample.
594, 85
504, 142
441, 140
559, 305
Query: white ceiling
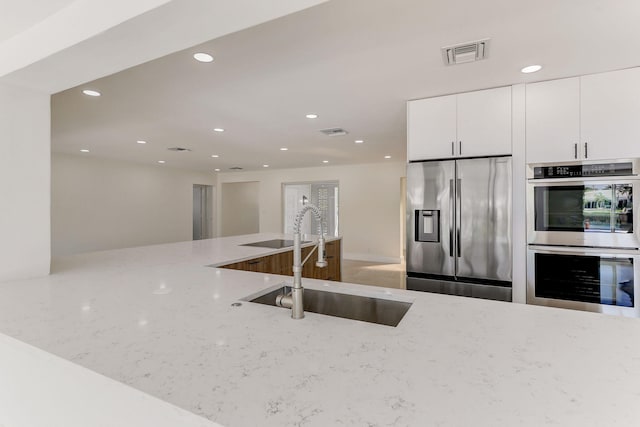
90, 39
18, 16
353, 62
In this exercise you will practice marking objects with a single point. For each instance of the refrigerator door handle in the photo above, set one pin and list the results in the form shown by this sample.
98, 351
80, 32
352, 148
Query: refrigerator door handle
451, 215
458, 215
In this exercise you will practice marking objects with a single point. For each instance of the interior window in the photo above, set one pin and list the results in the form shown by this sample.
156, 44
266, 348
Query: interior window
323, 194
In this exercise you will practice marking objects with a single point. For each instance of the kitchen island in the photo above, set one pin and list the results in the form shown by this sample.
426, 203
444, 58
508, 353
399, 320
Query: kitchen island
160, 320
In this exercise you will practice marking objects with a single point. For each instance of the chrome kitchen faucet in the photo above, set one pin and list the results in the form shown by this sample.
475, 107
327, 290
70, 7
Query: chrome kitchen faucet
295, 300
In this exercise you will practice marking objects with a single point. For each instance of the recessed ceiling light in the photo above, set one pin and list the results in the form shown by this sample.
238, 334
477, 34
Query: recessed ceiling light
215, 156
203, 57
325, 161
265, 166
359, 141
311, 116
217, 170
218, 130
91, 92
84, 150
141, 142
161, 161
531, 69
284, 149
387, 157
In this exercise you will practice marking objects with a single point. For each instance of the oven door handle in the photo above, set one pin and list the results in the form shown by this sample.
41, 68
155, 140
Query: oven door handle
583, 250
581, 181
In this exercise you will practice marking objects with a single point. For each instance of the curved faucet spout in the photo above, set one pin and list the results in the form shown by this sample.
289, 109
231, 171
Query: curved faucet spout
300, 216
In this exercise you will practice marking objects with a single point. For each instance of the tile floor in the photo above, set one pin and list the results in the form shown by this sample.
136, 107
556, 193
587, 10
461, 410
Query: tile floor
375, 274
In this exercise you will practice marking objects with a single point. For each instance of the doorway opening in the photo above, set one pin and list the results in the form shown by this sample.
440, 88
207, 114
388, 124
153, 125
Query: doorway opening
202, 212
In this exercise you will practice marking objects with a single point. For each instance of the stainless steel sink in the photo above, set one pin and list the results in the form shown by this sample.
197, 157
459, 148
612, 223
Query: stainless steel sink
273, 244
367, 309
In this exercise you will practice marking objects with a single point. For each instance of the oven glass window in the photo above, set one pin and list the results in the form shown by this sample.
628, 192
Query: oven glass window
593, 279
584, 208
622, 208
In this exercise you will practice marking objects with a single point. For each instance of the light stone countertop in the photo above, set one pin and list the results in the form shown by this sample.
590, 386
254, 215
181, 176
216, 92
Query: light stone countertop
157, 319
40, 389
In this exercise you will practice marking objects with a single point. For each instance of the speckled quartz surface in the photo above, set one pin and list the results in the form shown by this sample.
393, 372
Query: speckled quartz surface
39, 389
157, 319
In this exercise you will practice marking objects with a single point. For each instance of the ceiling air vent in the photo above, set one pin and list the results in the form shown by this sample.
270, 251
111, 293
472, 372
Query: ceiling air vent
334, 132
466, 52
235, 168
179, 149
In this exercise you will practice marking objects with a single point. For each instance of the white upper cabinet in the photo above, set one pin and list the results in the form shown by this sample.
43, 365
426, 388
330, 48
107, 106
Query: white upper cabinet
464, 125
594, 117
610, 110
484, 122
431, 128
553, 120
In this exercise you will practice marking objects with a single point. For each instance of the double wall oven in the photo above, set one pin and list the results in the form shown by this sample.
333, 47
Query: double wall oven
583, 237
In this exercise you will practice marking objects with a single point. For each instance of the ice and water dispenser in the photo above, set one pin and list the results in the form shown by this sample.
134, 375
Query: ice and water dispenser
427, 225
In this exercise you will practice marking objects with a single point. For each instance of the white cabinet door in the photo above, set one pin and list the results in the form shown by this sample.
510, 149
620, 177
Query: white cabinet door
484, 122
431, 128
610, 114
553, 120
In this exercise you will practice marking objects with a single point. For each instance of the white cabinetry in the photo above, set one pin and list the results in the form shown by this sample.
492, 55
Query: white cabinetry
610, 114
553, 120
484, 122
464, 125
431, 128
591, 117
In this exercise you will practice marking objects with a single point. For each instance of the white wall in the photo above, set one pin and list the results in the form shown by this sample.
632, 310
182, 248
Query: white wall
519, 241
240, 208
106, 204
369, 200
24, 183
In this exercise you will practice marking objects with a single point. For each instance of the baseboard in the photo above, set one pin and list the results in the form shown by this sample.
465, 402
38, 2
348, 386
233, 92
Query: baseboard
371, 258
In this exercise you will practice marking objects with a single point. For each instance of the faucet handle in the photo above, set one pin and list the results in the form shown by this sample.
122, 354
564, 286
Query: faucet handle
322, 261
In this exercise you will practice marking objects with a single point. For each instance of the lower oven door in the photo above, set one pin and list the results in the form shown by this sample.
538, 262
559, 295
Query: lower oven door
601, 280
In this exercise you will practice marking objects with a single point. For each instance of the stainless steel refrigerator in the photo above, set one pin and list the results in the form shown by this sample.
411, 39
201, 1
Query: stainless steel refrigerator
459, 227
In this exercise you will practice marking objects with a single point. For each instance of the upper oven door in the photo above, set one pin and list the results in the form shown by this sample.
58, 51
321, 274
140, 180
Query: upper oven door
587, 212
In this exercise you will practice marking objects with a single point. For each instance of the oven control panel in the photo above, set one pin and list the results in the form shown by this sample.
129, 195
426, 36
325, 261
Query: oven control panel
580, 171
